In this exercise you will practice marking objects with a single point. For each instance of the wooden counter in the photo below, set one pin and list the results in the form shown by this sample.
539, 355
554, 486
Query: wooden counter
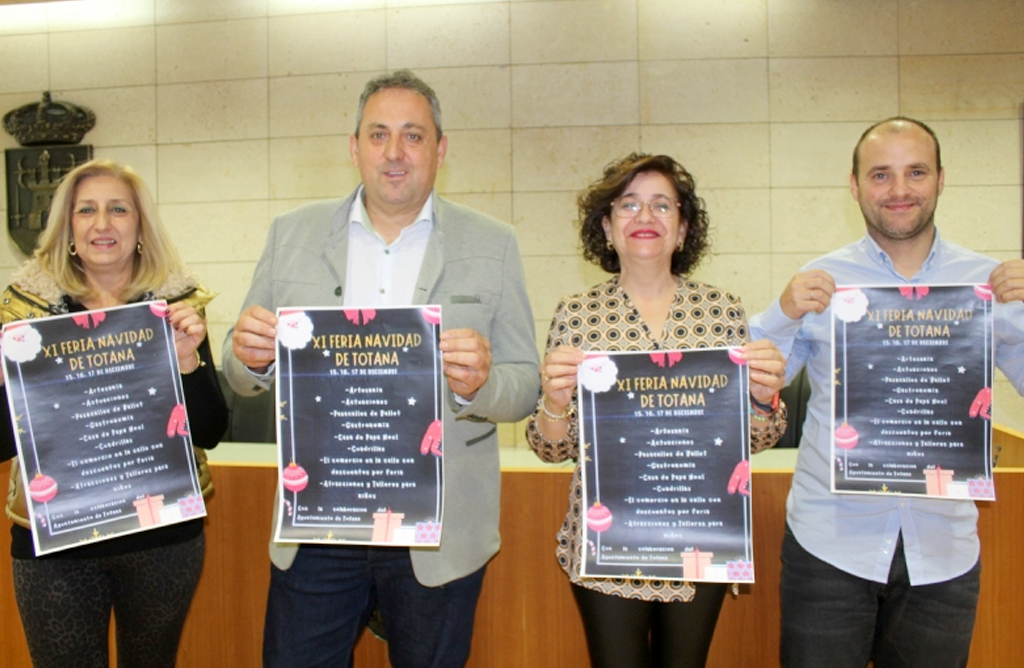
527, 616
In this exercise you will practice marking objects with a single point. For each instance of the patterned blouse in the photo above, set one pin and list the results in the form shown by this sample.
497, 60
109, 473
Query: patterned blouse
604, 319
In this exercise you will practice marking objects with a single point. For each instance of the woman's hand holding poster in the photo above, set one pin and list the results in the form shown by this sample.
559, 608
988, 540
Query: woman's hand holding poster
664, 438
360, 433
913, 391
100, 424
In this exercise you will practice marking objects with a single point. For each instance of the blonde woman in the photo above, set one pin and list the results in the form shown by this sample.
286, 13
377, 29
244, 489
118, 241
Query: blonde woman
104, 246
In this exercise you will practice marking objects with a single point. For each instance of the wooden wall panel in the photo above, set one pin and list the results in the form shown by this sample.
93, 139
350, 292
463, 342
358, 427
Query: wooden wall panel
13, 651
1009, 447
526, 615
226, 620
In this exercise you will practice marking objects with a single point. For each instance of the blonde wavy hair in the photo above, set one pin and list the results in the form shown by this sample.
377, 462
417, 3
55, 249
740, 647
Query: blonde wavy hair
150, 268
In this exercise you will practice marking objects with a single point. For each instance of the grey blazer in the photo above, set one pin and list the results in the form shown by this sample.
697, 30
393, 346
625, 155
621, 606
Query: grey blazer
472, 268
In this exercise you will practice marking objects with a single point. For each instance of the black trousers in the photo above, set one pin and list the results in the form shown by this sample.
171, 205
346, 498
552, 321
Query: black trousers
627, 633
65, 606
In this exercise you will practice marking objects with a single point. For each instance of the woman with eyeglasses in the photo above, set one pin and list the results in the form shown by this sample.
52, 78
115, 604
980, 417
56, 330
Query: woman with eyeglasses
643, 223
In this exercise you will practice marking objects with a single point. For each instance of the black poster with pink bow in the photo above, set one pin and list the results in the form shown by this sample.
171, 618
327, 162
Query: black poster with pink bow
360, 435
912, 409
100, 423
664, 440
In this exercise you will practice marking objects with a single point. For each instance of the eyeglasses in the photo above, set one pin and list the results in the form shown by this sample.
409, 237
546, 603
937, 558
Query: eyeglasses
660, 206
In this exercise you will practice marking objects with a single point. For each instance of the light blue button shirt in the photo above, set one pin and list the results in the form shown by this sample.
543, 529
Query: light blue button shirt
858, 533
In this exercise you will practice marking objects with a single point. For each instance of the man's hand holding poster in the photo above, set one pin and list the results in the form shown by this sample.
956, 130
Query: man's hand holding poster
666, 475
912, 406
360, 434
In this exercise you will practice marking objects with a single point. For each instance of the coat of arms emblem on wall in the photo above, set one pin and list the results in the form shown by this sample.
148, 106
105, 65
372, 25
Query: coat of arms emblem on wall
51, 132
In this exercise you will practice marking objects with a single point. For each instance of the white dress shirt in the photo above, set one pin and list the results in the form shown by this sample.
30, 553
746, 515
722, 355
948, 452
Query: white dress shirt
382, 274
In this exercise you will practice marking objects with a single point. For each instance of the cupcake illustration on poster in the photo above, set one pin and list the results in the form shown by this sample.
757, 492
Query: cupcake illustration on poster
598, 374
21, 342
849, 305
294, 332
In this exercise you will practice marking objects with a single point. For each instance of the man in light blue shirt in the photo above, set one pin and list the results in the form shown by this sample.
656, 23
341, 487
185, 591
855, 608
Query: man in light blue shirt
889, 579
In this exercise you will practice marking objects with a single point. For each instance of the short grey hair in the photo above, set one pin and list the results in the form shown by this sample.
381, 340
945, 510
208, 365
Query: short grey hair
401, 79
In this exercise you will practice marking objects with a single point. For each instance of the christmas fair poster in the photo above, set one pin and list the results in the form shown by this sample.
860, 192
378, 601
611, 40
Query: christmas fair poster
664, 438
360, 432
912, 401
100, 423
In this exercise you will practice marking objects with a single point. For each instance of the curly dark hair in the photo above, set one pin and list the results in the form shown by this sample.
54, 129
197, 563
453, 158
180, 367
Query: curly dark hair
596, 203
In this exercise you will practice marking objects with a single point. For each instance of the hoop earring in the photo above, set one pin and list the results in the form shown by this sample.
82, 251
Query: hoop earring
608, 245
679, 246
138, 248
72, 251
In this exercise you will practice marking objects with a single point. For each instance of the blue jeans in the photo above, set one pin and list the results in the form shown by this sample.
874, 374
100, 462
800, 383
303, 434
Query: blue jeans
833, 619
317, 609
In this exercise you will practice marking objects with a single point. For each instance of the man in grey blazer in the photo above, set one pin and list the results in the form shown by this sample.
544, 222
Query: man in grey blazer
394, 242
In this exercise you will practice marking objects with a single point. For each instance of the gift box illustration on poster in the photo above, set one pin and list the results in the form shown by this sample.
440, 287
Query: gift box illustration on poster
100, 424
360, 430
912, 402
664, 438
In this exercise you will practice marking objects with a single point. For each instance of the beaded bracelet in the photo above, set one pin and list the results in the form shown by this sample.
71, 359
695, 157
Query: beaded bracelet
553, 417
199, 363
